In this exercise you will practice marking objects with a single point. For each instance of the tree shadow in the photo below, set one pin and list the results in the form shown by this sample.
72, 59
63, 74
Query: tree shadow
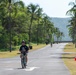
69, 45
62, 57
67, 57
68, 48
19, 68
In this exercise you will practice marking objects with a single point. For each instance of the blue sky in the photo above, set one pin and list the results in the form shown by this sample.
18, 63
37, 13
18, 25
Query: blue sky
53, 8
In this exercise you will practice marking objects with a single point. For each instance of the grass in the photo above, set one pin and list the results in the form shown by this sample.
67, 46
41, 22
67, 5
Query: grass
70, 62
35, 46
15, 53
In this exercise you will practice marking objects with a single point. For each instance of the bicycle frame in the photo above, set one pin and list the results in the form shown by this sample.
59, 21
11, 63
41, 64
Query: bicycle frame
23, 60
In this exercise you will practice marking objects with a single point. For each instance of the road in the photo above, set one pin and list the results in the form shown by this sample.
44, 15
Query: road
45, 61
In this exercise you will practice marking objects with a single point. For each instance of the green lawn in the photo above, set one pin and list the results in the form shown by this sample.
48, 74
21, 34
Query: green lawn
15, 53
70, 62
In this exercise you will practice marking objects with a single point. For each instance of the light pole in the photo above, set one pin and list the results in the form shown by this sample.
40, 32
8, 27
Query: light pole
10, 24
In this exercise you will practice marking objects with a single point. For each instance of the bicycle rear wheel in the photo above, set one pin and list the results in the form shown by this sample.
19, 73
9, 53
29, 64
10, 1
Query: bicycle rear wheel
23, 62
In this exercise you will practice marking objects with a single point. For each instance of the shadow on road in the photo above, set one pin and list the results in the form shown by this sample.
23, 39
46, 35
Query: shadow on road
68, 48
67, 57
63, 57
19, 68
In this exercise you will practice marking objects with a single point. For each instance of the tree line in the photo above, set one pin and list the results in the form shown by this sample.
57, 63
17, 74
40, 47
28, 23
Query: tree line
72, 21
19, 22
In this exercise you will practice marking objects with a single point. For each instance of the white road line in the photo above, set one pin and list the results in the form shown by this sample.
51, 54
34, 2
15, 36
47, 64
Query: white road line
27, 69
31, 68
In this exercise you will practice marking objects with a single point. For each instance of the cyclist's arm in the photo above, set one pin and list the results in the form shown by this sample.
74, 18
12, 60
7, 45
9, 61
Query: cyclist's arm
27, 49
20, 49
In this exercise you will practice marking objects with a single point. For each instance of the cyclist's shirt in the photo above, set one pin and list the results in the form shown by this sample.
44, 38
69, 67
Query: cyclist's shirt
24, 49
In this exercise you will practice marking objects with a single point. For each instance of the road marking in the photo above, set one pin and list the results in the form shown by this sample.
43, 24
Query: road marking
31, 68
27, 69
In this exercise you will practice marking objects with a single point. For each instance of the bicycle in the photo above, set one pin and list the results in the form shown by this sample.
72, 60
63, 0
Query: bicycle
23, 60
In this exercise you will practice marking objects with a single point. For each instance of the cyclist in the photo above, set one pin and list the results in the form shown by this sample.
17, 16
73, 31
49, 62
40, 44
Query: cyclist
24, 50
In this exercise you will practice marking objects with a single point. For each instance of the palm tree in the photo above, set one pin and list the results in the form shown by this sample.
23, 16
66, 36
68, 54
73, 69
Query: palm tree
71, 33
61, 35
13, 8
72, 30
8, 9
48, 29
45, 19
72, 12
57, 33
39, 16
32, 9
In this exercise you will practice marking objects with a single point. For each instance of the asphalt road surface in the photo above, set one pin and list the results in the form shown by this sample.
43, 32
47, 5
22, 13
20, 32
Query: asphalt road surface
45, 61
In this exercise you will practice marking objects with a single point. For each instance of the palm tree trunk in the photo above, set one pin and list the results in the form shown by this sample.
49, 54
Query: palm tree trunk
57, 40
38, 33
51, 41
29, 35
30, 31
10, 28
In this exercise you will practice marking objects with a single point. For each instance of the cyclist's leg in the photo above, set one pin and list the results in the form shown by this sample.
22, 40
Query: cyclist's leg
26, 59
22, 61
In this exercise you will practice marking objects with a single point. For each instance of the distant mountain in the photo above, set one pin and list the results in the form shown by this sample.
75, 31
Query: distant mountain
62, 23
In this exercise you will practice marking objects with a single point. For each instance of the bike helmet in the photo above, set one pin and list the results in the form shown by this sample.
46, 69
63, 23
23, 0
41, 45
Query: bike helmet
23, 41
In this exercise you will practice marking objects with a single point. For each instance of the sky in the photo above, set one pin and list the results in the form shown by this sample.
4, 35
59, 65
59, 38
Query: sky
53, 8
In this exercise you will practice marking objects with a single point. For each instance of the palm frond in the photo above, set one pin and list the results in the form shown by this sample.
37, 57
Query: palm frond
72, 3
20, 3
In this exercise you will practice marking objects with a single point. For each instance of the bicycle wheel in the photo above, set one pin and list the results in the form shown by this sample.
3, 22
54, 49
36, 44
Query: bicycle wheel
23, 62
